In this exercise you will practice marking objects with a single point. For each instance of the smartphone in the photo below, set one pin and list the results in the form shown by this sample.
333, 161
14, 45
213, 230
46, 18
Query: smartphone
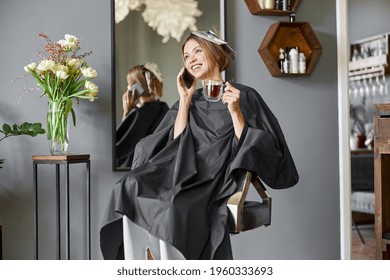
137, 89
187, 78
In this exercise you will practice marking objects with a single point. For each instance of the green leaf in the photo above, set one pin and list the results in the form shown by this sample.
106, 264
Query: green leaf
6, 129
31, 129
73, 116
68, 107
75, 87
38, 79
48, 87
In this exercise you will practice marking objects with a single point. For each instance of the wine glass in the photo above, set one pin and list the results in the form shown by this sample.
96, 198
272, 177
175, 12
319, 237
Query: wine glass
380, 86
374, 87
385, 89
366, 88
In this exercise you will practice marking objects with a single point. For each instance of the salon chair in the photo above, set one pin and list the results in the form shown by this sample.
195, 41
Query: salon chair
245, 215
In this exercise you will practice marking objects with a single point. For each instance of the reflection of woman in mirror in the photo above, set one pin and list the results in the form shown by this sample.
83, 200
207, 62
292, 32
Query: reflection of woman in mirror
142, 110
173, 204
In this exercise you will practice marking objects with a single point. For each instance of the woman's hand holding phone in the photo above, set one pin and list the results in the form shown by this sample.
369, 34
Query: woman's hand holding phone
186, 85
130, 99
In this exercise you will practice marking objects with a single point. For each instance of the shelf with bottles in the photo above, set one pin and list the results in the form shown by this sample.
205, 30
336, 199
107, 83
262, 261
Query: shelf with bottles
281, 35
370, 53
272, 7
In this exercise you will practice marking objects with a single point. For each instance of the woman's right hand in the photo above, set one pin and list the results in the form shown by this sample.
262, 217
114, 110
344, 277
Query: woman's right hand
184, 92
184, 104
128, 103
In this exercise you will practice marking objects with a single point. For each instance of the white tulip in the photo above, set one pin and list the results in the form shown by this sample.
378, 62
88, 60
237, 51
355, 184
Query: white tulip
62, 74
70, 42
88, 72
62, 71
91, 86
73, 62
30, 66
46, 65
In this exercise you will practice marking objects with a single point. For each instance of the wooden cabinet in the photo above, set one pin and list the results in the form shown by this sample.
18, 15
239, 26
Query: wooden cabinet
382, 180
289, 34
255, 9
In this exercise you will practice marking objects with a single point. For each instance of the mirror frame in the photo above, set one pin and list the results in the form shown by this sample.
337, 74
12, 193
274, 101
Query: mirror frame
222, 12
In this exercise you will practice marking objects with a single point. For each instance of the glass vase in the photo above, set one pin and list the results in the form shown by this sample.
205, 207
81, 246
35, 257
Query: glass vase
57, 128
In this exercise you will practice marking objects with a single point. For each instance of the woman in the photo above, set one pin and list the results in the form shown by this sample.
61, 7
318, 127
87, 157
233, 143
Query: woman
142, 110
174, 200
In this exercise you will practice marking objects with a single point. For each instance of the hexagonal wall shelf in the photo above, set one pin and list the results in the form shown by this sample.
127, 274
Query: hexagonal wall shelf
255, 9
289, 34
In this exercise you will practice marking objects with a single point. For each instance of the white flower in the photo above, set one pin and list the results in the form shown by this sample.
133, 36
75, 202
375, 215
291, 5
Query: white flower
171, 18
62, 71
88, 72
70, 43
46, 65
91, 86
72, 39
91, 96
30, 66
73, 62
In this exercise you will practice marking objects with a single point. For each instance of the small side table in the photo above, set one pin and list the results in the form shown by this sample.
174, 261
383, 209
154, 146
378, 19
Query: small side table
65, 160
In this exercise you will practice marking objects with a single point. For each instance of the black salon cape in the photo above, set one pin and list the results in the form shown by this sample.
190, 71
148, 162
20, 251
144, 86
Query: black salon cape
179, 187
139, 123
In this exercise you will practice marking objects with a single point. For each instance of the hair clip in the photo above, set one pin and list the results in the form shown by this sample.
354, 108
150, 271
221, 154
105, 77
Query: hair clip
214, 38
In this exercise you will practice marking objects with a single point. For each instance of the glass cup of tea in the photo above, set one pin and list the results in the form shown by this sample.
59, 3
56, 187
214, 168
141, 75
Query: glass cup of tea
212, 90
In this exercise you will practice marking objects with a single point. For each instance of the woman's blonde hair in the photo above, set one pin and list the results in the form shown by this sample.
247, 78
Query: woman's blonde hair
137, 74
216, 54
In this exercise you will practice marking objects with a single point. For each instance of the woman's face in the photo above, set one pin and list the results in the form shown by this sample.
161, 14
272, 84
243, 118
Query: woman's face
195, 61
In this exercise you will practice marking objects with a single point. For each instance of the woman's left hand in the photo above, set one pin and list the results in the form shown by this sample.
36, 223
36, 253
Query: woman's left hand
231, 97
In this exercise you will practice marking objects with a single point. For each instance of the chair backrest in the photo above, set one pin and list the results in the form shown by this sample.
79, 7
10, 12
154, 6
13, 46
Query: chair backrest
246, 215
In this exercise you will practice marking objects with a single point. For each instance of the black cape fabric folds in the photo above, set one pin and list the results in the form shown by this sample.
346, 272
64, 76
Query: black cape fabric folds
139, 123
178, 188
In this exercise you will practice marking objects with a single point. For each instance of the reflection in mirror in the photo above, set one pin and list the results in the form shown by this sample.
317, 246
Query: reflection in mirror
135, 43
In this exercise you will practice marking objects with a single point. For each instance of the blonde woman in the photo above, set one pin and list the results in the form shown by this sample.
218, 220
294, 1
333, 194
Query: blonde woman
172, 205
142, 110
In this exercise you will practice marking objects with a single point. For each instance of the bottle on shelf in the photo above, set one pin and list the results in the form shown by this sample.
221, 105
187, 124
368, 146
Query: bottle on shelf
286, 62
292, 17
278, 4
284, 5
356, 54
269, 4
261, 3
302, 63
293, 54
281, 60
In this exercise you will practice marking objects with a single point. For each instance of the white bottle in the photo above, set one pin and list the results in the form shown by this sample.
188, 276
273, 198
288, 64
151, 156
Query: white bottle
302, 63
293, 60
269, 4
284, 5
261, 3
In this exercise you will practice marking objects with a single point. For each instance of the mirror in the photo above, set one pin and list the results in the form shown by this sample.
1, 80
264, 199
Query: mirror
135, 43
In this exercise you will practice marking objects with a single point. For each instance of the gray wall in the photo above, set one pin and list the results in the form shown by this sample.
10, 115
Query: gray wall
305, 221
